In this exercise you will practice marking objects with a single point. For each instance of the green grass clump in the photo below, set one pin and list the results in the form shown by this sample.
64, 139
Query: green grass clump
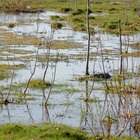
55, 17
11, 67
76, 20
78, 12
39, 83
48, 132
112, 25
4, 74
92, 17
11, 25
110, 21
56, 25
41, 132
79, 27
65, 10
5, 70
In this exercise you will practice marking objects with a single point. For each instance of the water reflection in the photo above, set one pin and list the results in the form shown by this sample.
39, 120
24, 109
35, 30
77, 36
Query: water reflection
117, 114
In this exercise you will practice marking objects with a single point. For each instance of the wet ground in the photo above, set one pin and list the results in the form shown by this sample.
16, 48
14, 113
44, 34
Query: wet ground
68, 102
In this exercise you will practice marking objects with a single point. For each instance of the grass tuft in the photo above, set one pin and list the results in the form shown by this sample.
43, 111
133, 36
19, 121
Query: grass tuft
55, 17
65, 10
56, 25
11, 25
39, 83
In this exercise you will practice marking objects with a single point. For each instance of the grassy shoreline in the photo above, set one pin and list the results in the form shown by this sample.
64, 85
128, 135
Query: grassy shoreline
106, 13
48, 132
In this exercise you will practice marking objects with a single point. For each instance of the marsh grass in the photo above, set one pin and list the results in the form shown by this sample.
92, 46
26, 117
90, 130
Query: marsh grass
135, 45
11, 25
78, 12
20, 98
56, 25
10, 38
79, 27
55, 17
18, 51
65, 10
109, 23
41, 132
49, 132
85, 78
5, 70
57, 44
132, 54
89, 78
4, 74
15, 6
39, 83
117, 11
118, 87
11, 67
66, 90
14, 87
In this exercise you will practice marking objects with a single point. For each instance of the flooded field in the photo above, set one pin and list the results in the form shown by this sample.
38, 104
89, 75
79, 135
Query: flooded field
104, 106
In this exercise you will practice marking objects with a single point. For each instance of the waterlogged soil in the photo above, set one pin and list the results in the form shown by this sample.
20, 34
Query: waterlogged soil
88, 104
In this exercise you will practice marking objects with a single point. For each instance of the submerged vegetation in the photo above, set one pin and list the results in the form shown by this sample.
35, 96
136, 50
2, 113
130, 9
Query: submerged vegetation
5, 67
4, 74
5, 70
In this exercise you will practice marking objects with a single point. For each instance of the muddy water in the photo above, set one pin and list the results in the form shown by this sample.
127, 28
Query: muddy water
67, 104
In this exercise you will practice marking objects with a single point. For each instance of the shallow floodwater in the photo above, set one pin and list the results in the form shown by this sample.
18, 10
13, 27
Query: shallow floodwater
68, 103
